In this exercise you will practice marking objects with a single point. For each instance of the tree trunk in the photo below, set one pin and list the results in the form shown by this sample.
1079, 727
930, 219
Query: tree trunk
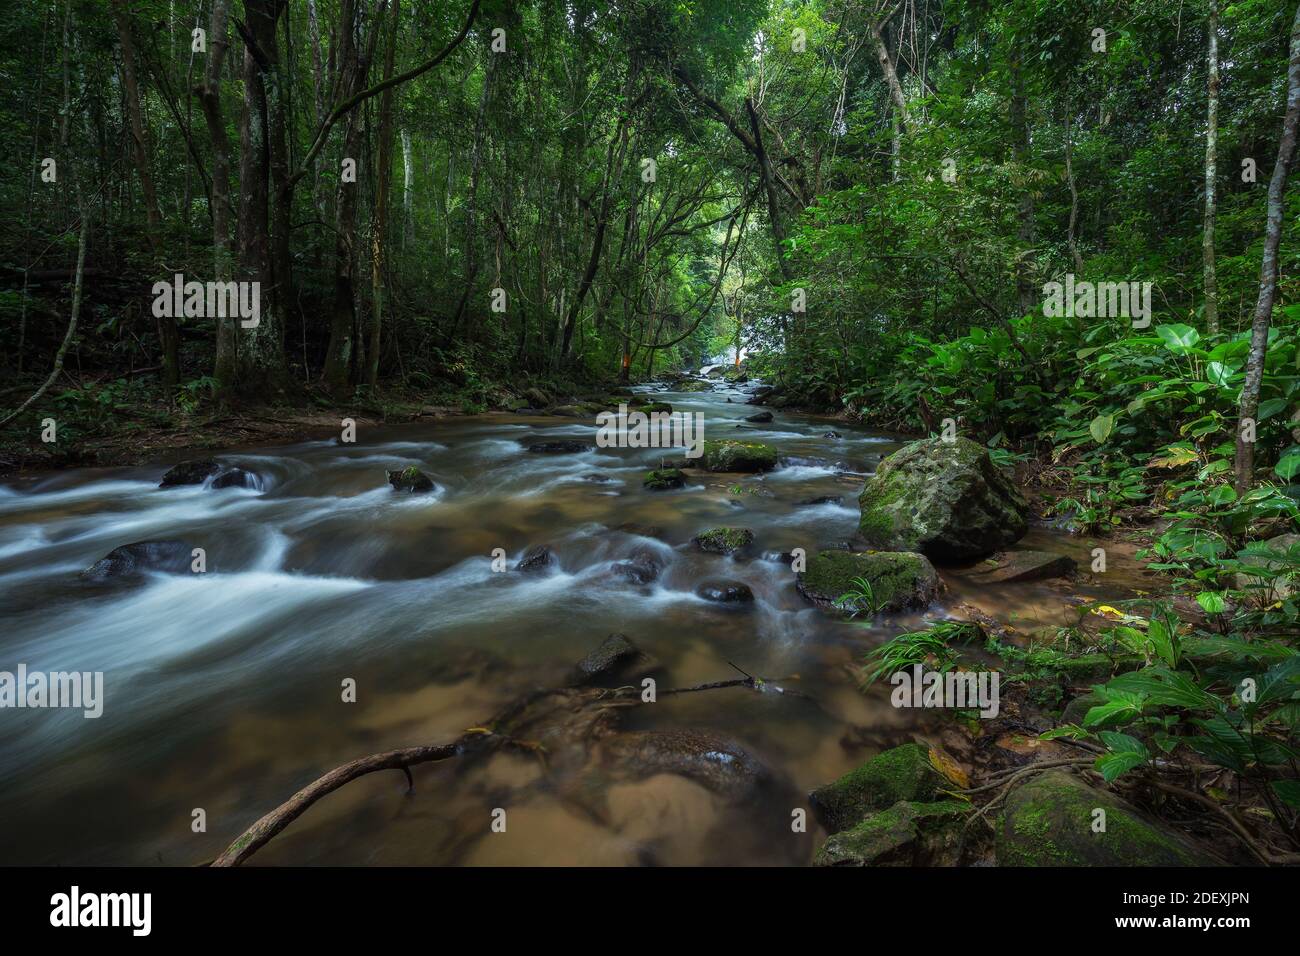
1245, 463
1211, 147
1026, 296
381, 204
209, 94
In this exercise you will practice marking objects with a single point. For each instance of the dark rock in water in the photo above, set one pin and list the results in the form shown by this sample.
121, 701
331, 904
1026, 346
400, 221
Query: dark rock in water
641, 567
664, 479
726, 592
236, 478
711, 761
723, 540
172, 557
823, 500
903, 773
559, 447
761, 417
410, 479
597, 478
616, 659
193, 472
907, 834
945, 499
895, 580
760, 394
1047, 822
536, 558
1008, 567
832, 434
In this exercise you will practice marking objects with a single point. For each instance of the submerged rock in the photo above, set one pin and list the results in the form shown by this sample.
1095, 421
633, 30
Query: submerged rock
615, 659
664, 479
738, 456
559, 447
1008, 567
712, 761
1048, 821
236, 478
723, 540
907, 834
895, 580
903, 773
193, 472
410, 479
172, 557
945, 499
823, 500
641, 567
726, 592
761, 418
536, 558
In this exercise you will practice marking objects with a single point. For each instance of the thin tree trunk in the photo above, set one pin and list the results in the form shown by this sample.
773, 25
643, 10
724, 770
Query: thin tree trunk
381, 204
1211, 146
1245, 462
1071, 232
209, 94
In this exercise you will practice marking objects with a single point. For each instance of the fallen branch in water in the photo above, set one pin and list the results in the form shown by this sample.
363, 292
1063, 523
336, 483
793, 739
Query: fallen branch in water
262, 832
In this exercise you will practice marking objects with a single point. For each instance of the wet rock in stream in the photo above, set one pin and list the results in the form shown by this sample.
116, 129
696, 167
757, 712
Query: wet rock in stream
536, 558
724, 540
172, 557
726, 592
559, 447
192, 472
616, 659
894, 581
410, 479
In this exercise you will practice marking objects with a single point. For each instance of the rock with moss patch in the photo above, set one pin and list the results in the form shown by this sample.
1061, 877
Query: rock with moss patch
903, 773
664, 479
410, 479
723, 540
1011, 567
738, 456
907, 834
895, 581
1049, 820
945, 499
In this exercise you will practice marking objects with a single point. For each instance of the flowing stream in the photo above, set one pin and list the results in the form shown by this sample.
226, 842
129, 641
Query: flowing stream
223, 689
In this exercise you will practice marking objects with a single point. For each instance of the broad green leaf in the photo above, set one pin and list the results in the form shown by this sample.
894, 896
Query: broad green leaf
1101, 427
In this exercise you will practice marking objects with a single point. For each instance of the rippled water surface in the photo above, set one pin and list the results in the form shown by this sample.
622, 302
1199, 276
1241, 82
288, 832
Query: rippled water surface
223, 690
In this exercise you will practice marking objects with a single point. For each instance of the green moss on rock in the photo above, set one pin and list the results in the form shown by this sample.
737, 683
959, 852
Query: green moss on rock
1049, 821
945, 499
738, 456
664, 479
903, 773
907, 834
723, 540
897, 580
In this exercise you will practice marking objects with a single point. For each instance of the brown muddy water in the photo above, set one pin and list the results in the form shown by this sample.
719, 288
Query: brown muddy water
223, 690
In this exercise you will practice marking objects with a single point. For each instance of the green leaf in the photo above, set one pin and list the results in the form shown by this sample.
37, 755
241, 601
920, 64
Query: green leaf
1211, 602
1178, 338
1101, 427
1112, 765
1289, 465
1288, 791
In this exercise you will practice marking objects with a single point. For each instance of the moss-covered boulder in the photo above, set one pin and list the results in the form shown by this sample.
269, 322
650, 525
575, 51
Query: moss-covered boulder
410, 479
907, 834
903, 773
747, 456
895, 581
653, 408
723, 540
664, 479
693, 385
1050, 821
945, 499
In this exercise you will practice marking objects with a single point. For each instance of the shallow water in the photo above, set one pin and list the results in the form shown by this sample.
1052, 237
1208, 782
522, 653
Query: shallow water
223, 690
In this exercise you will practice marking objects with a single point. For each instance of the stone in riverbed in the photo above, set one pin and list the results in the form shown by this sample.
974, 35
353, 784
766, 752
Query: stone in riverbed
664, 479
236, 478
640, 567
898, 580
615, 659
726, 592
823, 500
192, 472
559, 447
410, 479
536, 558
903, 773
711, 761
761, 418
172, 557
1009, 567
945, 499
738, 456
1048, 821
723, 540
907, 834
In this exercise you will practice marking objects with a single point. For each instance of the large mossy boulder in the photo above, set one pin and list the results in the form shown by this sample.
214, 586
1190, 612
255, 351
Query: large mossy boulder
723, 540
907, 834
903, 773
1050, 821
945, 499
664, 479
747, 456
896, 580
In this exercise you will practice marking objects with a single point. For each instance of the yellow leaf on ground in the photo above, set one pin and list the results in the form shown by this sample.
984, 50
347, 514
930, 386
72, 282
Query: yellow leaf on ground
949, 768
